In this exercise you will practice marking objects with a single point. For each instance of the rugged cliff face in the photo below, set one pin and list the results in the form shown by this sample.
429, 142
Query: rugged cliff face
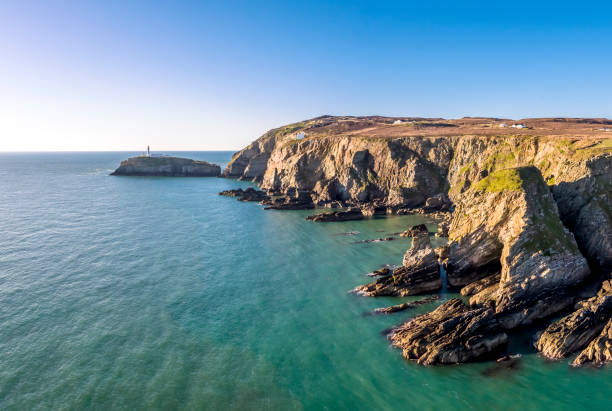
404, 161
532, 219
510, 218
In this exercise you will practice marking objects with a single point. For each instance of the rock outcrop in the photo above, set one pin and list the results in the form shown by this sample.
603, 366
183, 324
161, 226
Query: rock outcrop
404, 306
415, 231
419, 273
509, 219
248, 194
574, 331
452, 333
166, 167
351, 214
599, 351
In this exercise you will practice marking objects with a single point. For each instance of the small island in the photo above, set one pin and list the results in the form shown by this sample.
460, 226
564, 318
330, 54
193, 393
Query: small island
166, 166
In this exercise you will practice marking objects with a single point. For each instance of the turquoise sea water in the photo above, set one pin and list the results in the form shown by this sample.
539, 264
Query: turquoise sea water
156, 293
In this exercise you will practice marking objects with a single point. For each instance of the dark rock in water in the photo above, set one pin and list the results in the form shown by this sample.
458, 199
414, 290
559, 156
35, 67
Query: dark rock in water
404, 306
451, 334
166, 167
599, 351
574, 331
295, 201
419, 274
351, 214
504, 365
249, 194
349, 233
291, 205
415, 230
380, 273
377, 240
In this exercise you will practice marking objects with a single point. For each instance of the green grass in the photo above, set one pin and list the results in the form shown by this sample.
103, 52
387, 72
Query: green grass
499, 160
550, 236
466, 167
512, 179
509, 179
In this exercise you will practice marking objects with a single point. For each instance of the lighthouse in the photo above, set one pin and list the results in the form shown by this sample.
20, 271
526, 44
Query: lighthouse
148, 152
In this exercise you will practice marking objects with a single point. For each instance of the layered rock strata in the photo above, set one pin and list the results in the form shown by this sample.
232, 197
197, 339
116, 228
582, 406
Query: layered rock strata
452, 333
599, 351
574, 331
510, 218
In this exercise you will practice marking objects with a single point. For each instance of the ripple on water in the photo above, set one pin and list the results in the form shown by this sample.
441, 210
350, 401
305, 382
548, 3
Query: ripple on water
153, 293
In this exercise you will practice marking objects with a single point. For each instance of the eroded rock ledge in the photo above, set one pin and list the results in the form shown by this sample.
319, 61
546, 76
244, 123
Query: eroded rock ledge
452, 333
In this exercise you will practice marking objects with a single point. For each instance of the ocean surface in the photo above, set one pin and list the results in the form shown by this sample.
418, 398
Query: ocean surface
156, 293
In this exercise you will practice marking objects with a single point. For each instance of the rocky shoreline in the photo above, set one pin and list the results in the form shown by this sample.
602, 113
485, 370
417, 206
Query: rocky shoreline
528, 220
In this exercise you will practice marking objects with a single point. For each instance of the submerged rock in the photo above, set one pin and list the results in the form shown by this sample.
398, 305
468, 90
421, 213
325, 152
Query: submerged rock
452, 333
166, 167
420, 273
574, 331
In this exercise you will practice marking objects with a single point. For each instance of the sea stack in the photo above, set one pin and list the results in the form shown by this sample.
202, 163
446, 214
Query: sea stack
166, 167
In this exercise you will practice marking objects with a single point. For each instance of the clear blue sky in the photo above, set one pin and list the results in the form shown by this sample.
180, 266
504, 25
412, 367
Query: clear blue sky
215, 75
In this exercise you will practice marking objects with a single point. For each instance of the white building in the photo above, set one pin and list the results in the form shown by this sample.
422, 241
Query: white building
518, 126
300, 136
398, 122
503, 125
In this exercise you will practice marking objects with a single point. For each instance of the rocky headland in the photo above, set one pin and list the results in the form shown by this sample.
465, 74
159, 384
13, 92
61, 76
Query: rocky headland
165, 166
527, 213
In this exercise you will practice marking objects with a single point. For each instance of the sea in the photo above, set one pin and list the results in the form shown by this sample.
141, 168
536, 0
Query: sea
152, 293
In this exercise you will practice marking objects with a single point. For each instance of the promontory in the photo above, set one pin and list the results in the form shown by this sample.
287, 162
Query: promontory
528, 208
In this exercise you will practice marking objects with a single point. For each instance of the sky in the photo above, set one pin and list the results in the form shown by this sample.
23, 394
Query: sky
214, 75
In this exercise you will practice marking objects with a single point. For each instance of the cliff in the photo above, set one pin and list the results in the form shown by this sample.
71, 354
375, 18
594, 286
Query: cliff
532, 221
401, 162
166, 167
